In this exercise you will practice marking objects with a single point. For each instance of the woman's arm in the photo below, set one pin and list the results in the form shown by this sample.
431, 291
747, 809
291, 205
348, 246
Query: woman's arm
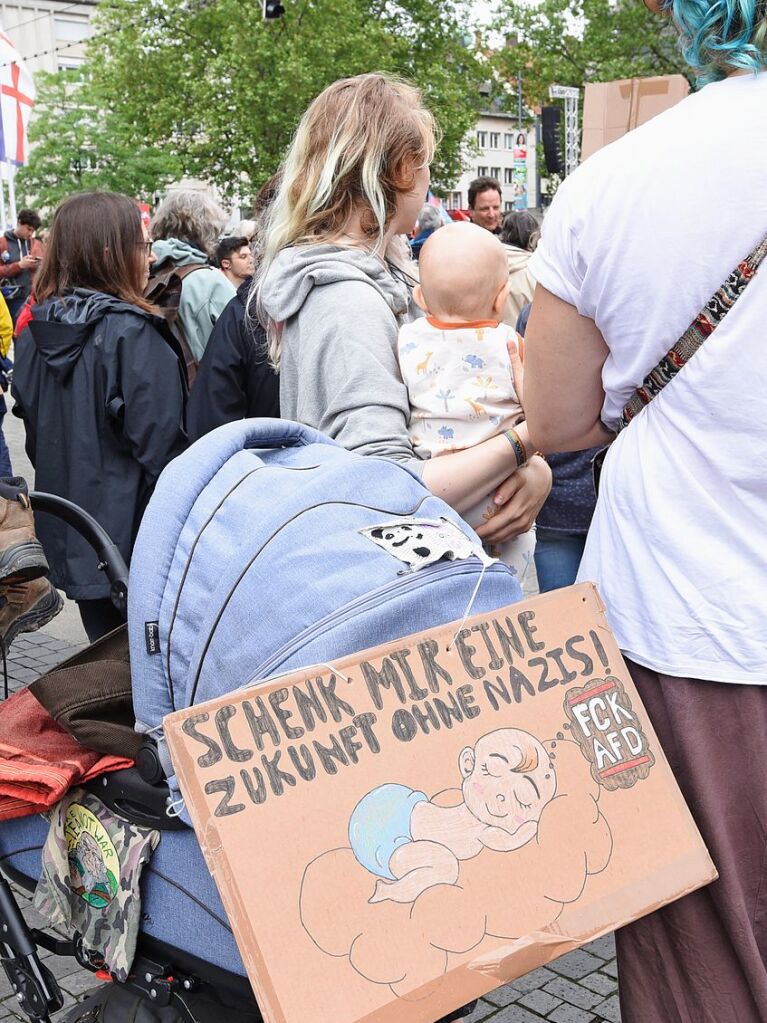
349, 386
462, 477
149, 405
564, 355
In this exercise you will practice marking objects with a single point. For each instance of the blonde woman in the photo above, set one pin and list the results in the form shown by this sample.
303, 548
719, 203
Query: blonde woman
333, 288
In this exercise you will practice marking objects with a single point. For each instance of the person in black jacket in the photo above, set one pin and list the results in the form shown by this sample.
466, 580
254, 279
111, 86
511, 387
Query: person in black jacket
234, 379
99, 388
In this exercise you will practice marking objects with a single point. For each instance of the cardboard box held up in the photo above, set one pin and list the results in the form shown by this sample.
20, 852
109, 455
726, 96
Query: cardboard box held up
436, 816
610, 109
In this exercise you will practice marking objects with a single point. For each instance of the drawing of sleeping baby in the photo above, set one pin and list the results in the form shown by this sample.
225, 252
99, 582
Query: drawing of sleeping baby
412, 844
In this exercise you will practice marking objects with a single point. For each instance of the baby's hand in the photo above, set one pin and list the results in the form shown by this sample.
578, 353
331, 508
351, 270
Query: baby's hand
515, 348
504, 841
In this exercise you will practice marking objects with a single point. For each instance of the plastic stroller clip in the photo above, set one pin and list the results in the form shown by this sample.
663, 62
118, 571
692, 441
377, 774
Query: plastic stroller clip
37, 991
158, 980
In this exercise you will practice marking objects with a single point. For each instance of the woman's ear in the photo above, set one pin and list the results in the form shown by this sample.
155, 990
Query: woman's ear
499, 304
418, 298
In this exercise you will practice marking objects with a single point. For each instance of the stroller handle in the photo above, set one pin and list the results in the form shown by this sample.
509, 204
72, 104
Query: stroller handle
110, 559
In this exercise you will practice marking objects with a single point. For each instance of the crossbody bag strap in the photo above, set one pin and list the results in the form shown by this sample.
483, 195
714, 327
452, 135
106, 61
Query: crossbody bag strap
701, 328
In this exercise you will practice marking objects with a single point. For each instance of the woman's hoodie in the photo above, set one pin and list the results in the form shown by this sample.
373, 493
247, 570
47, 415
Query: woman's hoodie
339, 311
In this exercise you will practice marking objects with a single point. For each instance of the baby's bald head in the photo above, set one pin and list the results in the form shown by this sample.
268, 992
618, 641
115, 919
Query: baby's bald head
462, 269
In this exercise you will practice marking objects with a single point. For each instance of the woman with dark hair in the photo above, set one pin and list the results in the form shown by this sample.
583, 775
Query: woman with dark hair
99, 388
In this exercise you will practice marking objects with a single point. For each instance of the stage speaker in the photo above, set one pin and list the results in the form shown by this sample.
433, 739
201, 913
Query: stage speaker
551, 125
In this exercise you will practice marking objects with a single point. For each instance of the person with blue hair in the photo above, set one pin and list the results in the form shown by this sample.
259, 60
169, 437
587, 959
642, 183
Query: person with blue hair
636, 279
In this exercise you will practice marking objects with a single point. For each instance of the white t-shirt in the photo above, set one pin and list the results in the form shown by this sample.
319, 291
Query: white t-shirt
638, 239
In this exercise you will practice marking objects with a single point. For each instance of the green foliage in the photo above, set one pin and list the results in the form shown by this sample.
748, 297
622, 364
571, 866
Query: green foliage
223, 90
572, 42
79, 143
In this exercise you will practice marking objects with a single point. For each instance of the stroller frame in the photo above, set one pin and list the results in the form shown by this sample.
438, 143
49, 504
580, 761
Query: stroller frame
180, 986
164, 976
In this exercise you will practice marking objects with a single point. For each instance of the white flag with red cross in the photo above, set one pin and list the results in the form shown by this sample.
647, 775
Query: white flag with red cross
17, 97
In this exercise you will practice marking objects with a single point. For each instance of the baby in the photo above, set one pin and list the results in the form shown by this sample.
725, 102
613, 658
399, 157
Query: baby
412, 844
455, 361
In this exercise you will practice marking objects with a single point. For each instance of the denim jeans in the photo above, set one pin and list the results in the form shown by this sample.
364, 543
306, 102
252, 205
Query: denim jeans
557, 557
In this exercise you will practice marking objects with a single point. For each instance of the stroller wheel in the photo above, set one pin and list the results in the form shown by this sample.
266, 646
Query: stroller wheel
112, 1003
124, 1003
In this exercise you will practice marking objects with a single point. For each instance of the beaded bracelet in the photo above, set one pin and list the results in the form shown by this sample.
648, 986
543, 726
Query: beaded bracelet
517, 446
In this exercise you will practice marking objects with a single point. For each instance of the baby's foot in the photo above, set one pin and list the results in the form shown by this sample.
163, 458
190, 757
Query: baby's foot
381, 894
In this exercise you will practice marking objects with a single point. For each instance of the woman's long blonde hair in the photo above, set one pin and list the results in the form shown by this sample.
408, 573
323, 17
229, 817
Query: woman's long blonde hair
356, 149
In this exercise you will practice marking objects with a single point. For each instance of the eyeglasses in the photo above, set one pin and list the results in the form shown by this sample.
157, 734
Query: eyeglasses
146, 246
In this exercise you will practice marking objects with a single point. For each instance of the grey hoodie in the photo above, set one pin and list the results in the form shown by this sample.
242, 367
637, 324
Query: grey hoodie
340, 311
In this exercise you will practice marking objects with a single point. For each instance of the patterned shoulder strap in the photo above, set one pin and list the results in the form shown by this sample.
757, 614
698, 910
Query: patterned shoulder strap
701, 327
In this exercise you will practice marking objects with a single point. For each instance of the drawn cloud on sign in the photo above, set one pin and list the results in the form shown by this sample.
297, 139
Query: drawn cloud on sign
504, 895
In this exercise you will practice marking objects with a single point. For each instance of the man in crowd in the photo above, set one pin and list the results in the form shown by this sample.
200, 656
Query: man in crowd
485, 203
234, 257
20, 256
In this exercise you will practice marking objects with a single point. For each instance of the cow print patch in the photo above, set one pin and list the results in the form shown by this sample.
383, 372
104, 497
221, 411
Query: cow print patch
420, 542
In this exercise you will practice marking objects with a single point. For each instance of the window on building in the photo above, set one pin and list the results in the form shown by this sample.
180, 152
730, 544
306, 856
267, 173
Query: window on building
495, 140
71, 30
508, 176
481, 172
495, 172
508, 206
455, 201
508, 140
482, 139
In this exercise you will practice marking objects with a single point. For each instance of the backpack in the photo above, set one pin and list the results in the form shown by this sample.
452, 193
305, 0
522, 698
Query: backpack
262, 551
164, 290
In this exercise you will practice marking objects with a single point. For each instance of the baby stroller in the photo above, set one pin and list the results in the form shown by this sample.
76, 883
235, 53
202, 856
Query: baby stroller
187, 967
198, 562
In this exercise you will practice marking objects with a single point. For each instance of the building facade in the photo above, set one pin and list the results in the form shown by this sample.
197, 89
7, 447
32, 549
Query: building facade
49, 34
502, 151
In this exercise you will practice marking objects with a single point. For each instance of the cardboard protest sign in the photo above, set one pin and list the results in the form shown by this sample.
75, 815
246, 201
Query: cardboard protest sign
611, 109
406, 829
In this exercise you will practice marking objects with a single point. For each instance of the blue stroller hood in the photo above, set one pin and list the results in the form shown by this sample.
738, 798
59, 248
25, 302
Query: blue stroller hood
252, 559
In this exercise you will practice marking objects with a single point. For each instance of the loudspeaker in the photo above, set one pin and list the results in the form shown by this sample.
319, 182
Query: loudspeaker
551, 121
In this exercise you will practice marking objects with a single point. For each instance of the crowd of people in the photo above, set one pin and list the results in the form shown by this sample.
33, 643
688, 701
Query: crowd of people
320, 310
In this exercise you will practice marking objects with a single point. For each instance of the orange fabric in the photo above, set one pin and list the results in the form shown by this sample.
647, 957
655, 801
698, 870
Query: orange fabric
466, 324
39, 761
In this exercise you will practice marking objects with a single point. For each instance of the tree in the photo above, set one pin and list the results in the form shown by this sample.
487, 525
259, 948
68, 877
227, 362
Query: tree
78, 143
223, 89
572, 42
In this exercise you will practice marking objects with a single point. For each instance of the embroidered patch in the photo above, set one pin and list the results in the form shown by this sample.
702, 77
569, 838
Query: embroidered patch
420, 542
93, 863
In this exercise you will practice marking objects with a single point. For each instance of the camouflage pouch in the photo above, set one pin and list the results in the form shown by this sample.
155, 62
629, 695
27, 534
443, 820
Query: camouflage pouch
91, 867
